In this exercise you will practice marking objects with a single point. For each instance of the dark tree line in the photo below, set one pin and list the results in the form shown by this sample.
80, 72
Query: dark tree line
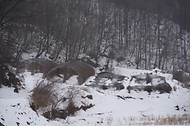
149, 34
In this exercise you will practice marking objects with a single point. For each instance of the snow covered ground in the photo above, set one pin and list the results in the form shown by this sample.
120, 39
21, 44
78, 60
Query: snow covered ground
111, 107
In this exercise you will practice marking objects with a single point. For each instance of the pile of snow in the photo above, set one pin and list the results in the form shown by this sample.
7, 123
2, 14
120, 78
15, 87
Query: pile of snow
111, 107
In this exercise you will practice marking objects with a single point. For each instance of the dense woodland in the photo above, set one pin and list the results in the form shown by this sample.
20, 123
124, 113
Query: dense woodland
145, 33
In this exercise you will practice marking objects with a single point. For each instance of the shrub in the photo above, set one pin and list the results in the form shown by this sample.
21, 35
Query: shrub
42, 95
182, 77
72, 94
8, 77
51, 105
178, 75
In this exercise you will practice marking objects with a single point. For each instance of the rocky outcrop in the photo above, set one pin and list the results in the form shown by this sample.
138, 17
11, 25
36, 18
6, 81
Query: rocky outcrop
161, 88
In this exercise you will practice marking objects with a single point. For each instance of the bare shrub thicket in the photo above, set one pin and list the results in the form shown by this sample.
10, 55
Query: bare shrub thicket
182, 77
53, 105
70, 99
72, 105
42, 95
8, 77
178, 75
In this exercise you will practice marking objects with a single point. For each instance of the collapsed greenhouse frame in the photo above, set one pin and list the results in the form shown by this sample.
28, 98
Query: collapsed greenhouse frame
83, 70
38, 65
50, 69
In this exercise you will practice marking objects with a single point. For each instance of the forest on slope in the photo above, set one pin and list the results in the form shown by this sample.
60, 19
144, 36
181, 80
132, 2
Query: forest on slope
148, 34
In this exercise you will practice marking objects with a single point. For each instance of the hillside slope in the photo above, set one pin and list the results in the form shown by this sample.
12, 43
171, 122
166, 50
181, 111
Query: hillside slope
111, 106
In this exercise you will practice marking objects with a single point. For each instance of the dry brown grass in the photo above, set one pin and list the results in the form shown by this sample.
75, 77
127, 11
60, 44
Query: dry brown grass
160, 120
42, 95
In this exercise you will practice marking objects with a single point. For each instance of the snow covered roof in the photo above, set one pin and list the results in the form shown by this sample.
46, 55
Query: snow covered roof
83, 70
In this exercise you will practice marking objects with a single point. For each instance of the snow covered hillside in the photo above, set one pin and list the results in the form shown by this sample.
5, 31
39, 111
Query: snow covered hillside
111, 107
